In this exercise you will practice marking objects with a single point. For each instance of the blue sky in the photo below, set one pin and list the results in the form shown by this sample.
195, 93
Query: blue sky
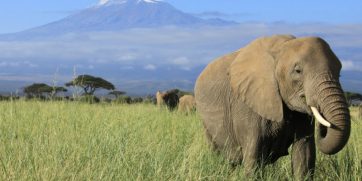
18, 15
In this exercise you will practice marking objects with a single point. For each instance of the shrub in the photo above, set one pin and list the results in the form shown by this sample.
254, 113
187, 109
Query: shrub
91, 99
150, 99
123, 100
106, 100
137, 100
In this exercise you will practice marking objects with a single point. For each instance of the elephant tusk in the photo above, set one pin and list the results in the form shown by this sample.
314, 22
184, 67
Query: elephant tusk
319, 117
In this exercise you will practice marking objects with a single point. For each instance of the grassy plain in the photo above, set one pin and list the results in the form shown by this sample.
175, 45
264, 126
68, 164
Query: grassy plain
77, 141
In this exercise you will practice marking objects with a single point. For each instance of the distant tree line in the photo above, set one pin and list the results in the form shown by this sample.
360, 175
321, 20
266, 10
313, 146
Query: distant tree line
353, 95
88, 85
353, 98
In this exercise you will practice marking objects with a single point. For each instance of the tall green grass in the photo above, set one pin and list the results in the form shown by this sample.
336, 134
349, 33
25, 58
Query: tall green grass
74, 141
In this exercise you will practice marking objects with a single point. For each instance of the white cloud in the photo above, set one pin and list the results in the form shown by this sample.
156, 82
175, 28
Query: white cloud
127, 57
150, 67
156, 46
25, 64
349, 65
34, 78
185, 48
183, 63
101, 2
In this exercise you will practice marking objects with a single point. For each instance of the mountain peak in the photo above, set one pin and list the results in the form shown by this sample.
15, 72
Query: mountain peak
110, 2
116, 15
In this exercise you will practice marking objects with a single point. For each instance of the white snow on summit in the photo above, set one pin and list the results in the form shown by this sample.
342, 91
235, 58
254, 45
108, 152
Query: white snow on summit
104, 2
150, 1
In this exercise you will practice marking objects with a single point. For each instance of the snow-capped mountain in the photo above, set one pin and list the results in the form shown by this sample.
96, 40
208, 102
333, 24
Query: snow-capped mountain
114, 15
99, 40
103, 2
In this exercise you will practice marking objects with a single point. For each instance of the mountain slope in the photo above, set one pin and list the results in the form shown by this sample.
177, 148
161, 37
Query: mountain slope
115, 15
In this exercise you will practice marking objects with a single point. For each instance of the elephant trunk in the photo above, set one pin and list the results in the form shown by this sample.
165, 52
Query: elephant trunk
334, 108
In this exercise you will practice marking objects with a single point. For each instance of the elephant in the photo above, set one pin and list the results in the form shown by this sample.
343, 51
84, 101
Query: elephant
258, 101
169, 98
187, 104
159, 98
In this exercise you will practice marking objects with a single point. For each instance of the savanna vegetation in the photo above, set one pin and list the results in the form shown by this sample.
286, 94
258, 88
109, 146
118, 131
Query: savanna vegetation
71, 140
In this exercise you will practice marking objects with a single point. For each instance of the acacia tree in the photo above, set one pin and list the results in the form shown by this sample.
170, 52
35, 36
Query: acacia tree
56, 89
90, 84
352, 95
116, 93
39, 89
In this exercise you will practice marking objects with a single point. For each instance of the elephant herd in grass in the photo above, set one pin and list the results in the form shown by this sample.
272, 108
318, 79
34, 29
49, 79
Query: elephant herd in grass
260, 100
172, 100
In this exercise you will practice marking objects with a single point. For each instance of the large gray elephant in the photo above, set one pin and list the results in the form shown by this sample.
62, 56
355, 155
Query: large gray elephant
258, 101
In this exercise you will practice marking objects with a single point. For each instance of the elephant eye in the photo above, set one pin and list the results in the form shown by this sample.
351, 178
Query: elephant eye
298, 69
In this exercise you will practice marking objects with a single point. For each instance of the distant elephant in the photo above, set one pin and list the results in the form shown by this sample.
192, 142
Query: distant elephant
159, 99
187, 104
168, 98
259, 100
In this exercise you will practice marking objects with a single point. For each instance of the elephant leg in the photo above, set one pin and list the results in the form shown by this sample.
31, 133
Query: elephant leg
251, 158
211, 141
304, 151
303, 158
233, 154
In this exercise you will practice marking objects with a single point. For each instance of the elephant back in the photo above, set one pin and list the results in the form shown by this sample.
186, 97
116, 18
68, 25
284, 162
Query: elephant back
187, 103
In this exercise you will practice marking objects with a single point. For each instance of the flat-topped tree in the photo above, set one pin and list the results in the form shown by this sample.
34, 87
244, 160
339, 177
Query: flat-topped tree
38, 89
56, 89
116, 93
90, 84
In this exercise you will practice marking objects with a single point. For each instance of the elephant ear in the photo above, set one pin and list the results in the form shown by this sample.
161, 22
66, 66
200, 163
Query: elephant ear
252, 77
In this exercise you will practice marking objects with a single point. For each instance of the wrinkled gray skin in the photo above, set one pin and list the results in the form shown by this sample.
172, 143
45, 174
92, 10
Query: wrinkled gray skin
255, 103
